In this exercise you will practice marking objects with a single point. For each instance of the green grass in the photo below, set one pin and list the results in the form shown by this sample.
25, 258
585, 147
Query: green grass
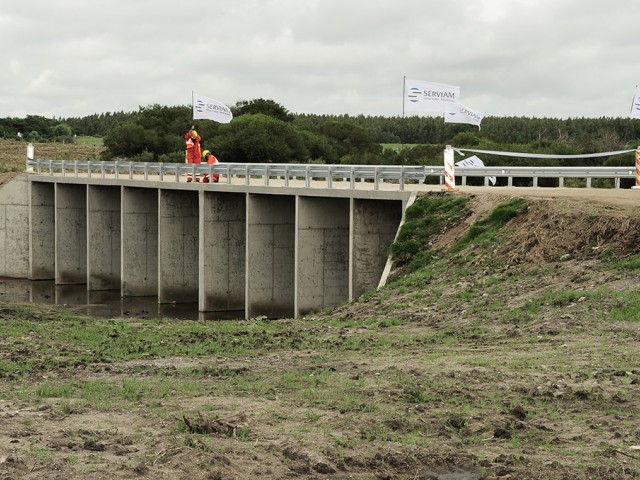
486, 229
426, 218
92, 141
631, 263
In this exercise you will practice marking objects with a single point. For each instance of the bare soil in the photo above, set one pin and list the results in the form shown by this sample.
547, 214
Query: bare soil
464, 383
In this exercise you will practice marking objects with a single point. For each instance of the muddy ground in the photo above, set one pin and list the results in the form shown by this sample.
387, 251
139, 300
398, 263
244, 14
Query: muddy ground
521, 361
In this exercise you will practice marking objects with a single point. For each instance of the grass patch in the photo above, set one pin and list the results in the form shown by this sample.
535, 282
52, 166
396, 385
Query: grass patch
486, 229
631, 263
87, 140
426, 218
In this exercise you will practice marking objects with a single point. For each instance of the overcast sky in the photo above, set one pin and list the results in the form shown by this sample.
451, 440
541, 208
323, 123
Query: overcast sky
542, 58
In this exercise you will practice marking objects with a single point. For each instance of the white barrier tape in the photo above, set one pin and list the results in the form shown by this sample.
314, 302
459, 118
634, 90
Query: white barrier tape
540, 155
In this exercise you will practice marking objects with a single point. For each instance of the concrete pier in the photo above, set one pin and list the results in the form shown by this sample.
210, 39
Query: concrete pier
178, 247
42, 234
270, 255
139, 242
265, 250
103, 237
322, 253
70, 233
223, 244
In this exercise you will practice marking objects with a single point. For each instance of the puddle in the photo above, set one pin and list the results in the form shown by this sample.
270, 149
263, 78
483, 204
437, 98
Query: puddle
104, 303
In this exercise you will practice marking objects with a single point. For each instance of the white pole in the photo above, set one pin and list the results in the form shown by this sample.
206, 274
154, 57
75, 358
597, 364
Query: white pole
30, 156
449, 174
637, 185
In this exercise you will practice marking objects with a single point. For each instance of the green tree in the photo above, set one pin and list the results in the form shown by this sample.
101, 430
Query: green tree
319, 147
33, 136
260, 138
350, 139
265, 106
62, 133
126, 140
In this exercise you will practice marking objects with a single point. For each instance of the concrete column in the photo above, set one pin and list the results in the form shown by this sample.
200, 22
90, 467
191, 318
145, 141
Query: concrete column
103, 237
222, 251
178, 246
270, 257
42, 234
139, 242
374, 224
322, 253
14, 228
71, 233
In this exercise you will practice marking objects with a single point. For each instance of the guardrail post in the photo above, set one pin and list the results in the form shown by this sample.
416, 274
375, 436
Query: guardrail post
401, 177
449, 173
30, 157
637, 185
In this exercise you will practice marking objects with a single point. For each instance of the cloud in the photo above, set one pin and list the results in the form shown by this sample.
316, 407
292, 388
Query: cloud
566, 58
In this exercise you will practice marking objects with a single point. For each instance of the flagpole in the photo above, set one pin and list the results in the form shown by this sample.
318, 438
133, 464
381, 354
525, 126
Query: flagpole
402, 125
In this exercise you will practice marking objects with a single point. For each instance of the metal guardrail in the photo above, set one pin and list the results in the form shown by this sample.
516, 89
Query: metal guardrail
376, 174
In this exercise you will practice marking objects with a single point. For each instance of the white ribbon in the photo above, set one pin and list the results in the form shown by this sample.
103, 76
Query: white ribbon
541, 155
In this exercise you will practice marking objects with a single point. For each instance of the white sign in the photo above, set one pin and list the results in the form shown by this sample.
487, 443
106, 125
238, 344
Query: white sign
635, 105
464, 115
423, 97
472, 162
210, 109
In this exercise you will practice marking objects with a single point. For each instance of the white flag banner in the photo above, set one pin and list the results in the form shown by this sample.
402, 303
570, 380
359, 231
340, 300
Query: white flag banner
635, 105
210, 109
424, 97
464, 114
474, 161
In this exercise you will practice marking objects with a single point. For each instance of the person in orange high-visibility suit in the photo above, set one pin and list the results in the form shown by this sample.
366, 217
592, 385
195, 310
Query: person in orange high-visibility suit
208, 157
192, 154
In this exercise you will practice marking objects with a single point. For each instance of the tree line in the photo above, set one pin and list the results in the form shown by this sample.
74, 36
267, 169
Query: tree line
265, 131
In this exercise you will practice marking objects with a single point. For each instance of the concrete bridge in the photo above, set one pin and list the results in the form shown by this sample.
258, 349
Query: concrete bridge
267, 250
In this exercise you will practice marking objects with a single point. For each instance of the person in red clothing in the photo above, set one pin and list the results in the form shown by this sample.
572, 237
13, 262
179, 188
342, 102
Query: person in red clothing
192, 154
208, 157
